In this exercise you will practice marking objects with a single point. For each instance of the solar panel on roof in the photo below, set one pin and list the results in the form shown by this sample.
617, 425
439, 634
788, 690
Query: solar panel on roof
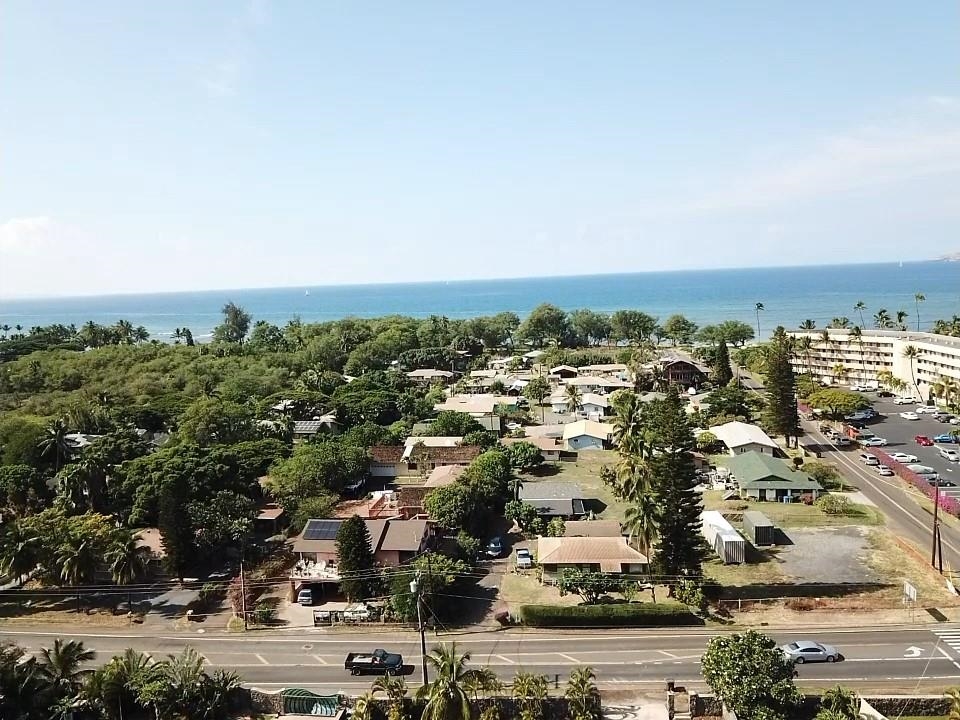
321, 529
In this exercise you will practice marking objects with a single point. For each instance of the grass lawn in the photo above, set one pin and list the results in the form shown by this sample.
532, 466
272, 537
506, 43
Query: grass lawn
517, 589
586, 473
762, 569
789, 515
891, 562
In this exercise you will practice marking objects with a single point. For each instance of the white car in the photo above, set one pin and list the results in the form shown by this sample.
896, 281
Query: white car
909, 415
948, 454
884, 470
873, 442
524, 559
904, 458
905, 400
926, 410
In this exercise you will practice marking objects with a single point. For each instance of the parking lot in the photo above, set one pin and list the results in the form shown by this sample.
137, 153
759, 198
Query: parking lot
900, 434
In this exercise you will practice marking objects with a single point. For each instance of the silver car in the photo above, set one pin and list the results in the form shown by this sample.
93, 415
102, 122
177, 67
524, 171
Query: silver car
801, 651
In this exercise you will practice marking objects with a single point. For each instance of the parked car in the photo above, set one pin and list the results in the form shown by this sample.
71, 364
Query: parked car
927, 410
379, 661
495, 547
884, 470
802, 651
868, 459
873, 442
904, 457
923, 440
884, 393
842, 441
921, 469
944, 438
359, 612
305, 597
949, 454
909, 400
524, 559
940, 482
908, 415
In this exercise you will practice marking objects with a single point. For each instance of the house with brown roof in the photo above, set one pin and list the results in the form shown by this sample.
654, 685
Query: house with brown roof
393, 461
444, 475
428, 376
592, 528
593, 554
551, 449
681, 369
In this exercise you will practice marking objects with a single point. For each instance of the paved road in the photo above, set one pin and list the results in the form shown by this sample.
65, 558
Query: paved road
906, 659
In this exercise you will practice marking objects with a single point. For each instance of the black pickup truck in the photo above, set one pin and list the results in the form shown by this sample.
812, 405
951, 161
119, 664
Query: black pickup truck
379, 661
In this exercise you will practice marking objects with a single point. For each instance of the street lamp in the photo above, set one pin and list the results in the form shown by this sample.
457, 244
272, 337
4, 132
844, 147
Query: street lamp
415, 589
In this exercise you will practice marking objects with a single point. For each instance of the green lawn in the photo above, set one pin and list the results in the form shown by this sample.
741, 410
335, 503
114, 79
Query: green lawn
793, 514
586, 473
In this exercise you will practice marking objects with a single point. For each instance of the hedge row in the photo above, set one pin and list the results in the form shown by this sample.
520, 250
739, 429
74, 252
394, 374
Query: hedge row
609, 615
948, 503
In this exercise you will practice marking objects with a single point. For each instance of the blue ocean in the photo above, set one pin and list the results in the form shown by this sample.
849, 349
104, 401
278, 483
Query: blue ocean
789, 296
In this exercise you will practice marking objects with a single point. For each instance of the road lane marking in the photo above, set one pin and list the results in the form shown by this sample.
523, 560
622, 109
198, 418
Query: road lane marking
261, 658
668, 654
319, 659
947, 656
506, 659
571, 659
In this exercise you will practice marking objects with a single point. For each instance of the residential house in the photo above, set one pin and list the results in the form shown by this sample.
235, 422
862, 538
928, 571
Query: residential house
740, 437
594, 406
681, 369
307, 429
531, 357
593, 554
551, 431
618, 371
475, 405
428, 441
597, 384
587, 435
551, 449
563, 372
270, 519
558, 403
388, 461
554, 499
761, 477
429, 376
592, 528
444, 475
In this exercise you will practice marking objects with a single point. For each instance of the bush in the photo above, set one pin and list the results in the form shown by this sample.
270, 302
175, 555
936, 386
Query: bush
834, 505
612, 615
210, 595
264, 613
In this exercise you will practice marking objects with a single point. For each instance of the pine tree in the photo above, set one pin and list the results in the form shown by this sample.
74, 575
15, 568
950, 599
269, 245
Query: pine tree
673, 477
781, 416
354, 557
722, 374
176, 530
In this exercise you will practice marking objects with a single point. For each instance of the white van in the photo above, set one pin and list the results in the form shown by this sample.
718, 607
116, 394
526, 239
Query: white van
305, 597
949, 454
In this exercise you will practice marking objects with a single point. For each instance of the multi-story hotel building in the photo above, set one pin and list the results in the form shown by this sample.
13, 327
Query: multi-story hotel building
938, 356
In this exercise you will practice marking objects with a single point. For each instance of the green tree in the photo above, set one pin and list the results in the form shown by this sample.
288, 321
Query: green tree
911, 353
452, 506
759, 308
536, 391
524, 514
62, 666
236, 323
641, 519
211, 421
837, 403
556, 527
781, 417
24, 692
582, 694
721, 374
751, 675
530, 692
545, 322
313, 507
20, 550
679, 329
77, 559
435, 575
224, 519
22, 490
316, 469
113, 689
395, 688
354, 557
632, 326
56, 444
574, 399
451, 423
127, 560
176, 530
590, 586
525, 455
839, 703
590, 327
447, 695
860, 307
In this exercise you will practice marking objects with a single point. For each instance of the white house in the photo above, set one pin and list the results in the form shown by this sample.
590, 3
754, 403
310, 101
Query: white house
587, 435
558, 402
594, 406
740, 437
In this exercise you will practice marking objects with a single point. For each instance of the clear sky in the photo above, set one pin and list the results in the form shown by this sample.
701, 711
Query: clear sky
176, 145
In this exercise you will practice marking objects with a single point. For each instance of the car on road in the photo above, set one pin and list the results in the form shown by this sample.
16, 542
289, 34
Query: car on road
494, 547
949, 454
868, 459
884, 393
944, 438
524, 559
884, 470
908, 415
927, 410
841, 441
873, 442
904, 457
379, 661
923, 440
909, 400
803, 651
514, 426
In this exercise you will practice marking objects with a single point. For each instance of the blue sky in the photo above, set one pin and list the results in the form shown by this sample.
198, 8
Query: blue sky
183, 145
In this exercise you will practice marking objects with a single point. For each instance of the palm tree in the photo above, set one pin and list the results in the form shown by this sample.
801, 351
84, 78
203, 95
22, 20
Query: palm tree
804, 346
6, 329
111, 689
574, 399
856, 334
61, 665
78, 560
759, 307
882, 320
447, 694
860, 307
127, 560
917, 299
19, 551
140, 334
839, 372
582, 694
640, 521
949, 392
885, 379
485, 681
395, 689
514, 485
56, 443
530, 692
632, 472
363, 707
902, 319
954, 695
808, 324
843, 703
911, 353
24, 693
840, 323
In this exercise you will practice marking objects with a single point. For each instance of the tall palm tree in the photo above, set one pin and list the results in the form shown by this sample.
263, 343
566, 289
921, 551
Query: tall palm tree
839, 372
882, 320
911, 353
860, 307
395, 688
363, 707
808, 324
759, 307
62, 665
632, 471
856, 334
530, 692
127, 560
804, 346
112, 689
19, 551
574, 399
582, 694
447, 695
24, 692
917, 299
640, 521
78, 560
840, 323
950, 391
6, 329
56, 443
902, 319
140, 334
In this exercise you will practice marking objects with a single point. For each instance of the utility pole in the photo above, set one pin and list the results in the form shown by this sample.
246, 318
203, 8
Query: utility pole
243, 597
415, 588
936, 554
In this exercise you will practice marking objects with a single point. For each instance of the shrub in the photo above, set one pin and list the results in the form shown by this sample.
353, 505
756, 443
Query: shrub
612, 615
264, 613
834, 505
210, 595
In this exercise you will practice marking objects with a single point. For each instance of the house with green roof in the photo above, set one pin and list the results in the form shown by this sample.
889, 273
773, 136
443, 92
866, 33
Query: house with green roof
761, 477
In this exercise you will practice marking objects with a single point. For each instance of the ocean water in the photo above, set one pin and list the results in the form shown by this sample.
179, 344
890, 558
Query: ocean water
789, 295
